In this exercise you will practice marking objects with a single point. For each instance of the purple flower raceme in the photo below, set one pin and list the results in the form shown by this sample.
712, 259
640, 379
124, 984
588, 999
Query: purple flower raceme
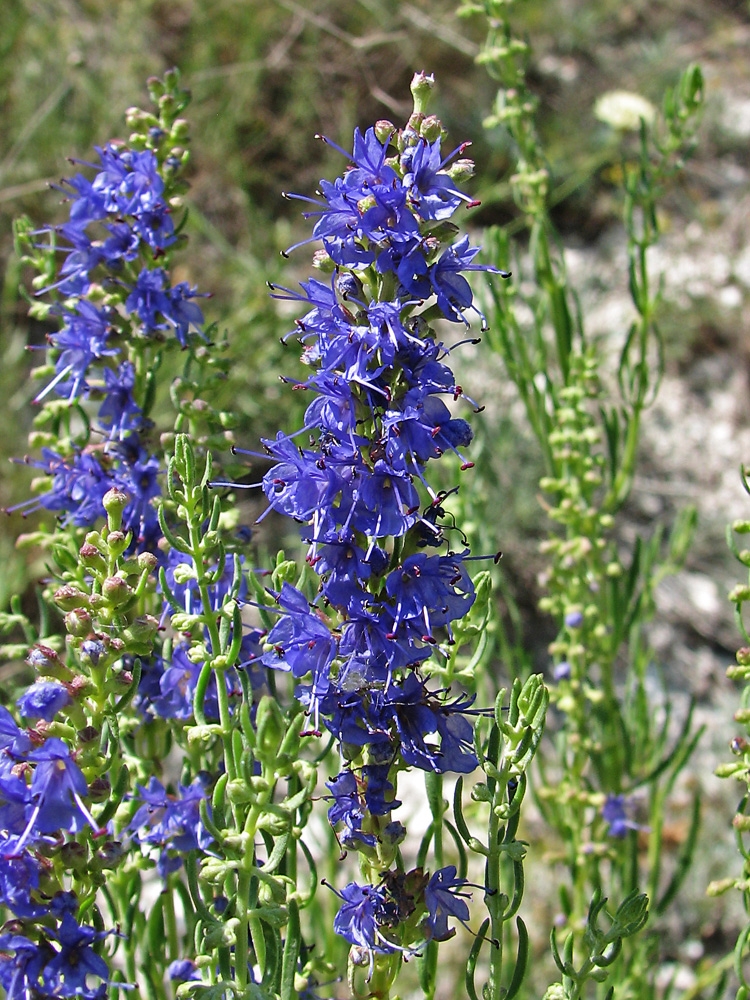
381, 413
119, 226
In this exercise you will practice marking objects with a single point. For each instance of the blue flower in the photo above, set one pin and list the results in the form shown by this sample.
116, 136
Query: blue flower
431, 190
21, 964
170, 822
617, 814
58, 788
82, 340
359, 919
66, 973
347, 809
443, 899
20, 872
43, 700
119, 412
14, 742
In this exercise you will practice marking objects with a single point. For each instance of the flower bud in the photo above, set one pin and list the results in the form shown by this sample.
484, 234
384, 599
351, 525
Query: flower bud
44, 660
269, 725
117, 591
73, 856
384, 129
91, 557
461, 170
100, 789
70, 598
143, 629
109, 855
184, 573
115, 502
117, 542
147, 561
421, 87
430, 128
180, 130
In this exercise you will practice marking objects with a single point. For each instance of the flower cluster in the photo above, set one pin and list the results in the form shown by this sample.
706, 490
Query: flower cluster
63, 777
390, 586
115, 307
43, 794
369, 912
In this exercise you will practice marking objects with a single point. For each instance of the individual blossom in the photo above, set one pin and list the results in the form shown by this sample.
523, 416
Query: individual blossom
443, 899
58, 789
617, 813
66, 973
43, 700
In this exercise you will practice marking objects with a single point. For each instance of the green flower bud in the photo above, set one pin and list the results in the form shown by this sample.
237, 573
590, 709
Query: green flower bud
74, 856
115, 502
108, 856
117, 542
322, 262
430, 128
421, 88
147, 561
142, 630
91, 557
239, 791
203, 734
116, 591
269, 726
197, 653
70, 598
719, 886
186, 623
180, 130
100, 789
384, 130
184, 572
461, 170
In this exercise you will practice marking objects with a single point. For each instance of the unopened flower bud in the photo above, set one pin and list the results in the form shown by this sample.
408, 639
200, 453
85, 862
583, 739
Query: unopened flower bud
147, 560
100, 789
91, 557
322, 262
116, 590
430, 128
422, 85
115, 502
70, 598
461, 170
73, 856
93, 650
384, 129
141, 630
109, 855
44, 660
117, 542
